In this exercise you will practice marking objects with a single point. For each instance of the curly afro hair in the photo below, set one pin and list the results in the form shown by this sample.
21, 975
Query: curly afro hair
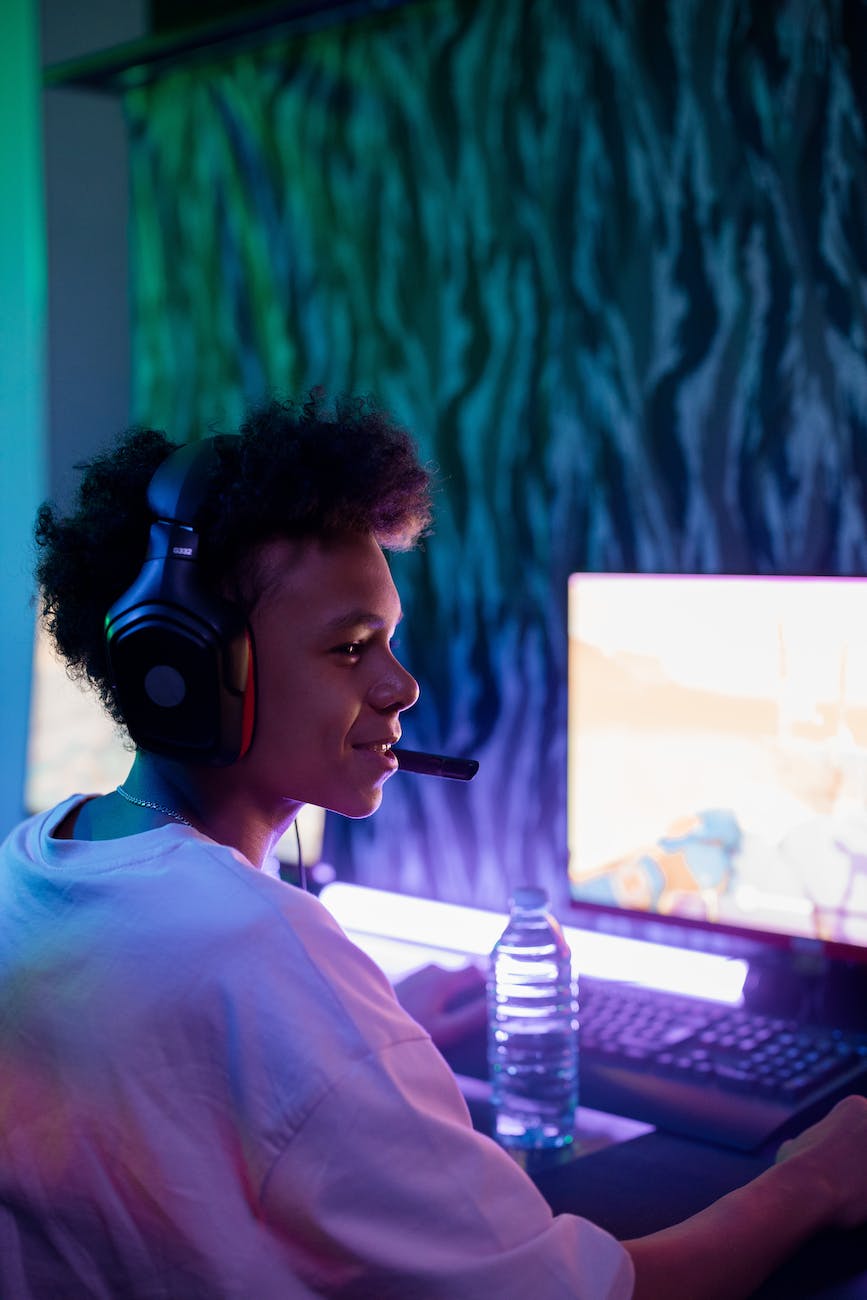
296, 471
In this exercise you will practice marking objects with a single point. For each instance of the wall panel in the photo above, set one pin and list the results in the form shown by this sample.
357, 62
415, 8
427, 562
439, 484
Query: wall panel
607, 260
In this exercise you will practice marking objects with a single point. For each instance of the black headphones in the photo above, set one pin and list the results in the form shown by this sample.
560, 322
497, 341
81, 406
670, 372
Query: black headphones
181, 657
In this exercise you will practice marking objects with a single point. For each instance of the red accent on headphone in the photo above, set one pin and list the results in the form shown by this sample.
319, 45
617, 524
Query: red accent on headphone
248, 717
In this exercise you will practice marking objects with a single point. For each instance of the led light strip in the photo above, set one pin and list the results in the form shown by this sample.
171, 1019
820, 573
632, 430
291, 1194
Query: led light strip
448, 931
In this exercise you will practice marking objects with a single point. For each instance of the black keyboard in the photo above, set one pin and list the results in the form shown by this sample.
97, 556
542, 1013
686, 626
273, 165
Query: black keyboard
703, 1069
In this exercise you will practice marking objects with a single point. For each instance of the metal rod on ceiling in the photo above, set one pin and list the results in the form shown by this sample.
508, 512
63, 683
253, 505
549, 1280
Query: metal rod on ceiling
120, 67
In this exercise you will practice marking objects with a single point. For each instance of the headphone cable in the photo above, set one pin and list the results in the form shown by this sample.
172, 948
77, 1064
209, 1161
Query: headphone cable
302, 870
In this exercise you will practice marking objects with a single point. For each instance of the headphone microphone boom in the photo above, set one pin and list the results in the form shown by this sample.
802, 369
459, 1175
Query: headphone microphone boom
456, 769
181, 657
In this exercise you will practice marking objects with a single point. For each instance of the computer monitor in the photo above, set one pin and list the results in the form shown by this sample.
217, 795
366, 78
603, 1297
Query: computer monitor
717, 760
74, 747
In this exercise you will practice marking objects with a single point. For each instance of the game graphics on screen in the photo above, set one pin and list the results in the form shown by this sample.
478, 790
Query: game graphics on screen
718, 750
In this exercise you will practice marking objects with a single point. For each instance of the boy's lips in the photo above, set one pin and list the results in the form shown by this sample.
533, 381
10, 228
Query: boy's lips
378, 744
380, 751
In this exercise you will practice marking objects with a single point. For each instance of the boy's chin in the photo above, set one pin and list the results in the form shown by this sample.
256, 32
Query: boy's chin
360, 808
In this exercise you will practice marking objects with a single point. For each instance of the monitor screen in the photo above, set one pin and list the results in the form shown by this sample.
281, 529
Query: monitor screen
718, 755
75, 748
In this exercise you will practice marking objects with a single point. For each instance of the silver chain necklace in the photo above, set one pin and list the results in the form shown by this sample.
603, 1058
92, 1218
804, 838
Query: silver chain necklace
157, 807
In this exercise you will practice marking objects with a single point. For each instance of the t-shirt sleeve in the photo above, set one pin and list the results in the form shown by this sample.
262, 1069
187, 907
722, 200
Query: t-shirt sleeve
387, 1190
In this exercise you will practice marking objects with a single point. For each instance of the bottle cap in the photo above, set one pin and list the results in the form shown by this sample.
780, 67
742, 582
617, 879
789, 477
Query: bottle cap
529, 896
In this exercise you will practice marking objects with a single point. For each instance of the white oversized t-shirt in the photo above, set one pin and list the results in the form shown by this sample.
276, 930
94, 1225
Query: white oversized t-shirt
207, 1091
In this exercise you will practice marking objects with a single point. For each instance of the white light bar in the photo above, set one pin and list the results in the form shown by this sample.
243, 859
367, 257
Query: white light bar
448, 930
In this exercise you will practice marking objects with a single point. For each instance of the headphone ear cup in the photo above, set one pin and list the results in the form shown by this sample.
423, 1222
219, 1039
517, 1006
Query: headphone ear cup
183, 692
181, 659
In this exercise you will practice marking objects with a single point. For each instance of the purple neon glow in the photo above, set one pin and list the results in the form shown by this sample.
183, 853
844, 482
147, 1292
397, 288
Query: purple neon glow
402, 933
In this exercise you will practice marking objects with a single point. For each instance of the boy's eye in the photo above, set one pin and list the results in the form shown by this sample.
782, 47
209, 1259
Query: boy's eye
351, 649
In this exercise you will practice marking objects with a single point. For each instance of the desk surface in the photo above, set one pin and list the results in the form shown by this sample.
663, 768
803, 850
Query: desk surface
612, 1186
656, 1179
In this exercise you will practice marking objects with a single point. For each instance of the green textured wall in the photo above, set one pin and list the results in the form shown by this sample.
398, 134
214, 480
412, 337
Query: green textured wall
608, 261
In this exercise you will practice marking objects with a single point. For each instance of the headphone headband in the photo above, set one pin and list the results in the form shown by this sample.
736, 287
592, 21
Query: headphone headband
179, 487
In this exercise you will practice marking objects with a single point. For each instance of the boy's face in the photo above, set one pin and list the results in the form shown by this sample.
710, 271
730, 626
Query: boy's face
329, 689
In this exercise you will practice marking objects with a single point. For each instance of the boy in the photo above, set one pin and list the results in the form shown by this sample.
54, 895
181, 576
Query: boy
207, 1090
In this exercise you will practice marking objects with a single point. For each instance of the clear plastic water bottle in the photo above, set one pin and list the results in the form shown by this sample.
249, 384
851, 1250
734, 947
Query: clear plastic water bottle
532, 1028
